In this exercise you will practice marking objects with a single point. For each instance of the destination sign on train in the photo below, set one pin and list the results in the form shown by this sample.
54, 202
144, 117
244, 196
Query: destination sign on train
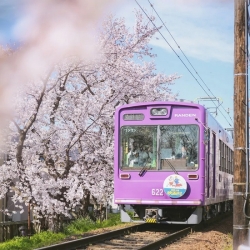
133, 117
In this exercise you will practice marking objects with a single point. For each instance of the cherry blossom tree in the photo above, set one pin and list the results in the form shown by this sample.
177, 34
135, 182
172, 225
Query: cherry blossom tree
60, 139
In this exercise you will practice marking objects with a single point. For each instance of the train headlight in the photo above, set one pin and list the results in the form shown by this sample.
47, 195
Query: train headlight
159, 111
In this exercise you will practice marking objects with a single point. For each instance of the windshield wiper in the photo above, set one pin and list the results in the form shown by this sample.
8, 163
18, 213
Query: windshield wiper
170, 165
144, 170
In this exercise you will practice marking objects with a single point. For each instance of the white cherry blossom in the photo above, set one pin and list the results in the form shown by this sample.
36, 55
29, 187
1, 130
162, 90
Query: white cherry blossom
60, 141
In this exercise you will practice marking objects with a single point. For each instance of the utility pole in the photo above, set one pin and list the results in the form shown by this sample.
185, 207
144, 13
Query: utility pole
240, 221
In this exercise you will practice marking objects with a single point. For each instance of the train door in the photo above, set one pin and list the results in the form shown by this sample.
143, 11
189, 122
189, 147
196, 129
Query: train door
208, 164
213, 150
212, 165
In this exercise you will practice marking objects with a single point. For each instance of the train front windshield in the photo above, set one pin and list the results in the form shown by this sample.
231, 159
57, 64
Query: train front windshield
163, 148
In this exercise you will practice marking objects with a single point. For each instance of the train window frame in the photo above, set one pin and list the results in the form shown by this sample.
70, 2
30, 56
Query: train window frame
125, 147
122, 157
226, 158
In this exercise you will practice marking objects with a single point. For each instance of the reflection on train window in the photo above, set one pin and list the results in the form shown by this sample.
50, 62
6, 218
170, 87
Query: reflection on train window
162, 148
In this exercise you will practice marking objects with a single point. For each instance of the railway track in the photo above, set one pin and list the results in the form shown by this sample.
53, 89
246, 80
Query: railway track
141, 237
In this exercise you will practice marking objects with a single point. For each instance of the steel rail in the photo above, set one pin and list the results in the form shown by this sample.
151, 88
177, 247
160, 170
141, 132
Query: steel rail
95, 238
182, 233
167, 240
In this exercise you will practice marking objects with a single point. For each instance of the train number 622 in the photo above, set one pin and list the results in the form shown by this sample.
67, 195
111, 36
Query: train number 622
157, 191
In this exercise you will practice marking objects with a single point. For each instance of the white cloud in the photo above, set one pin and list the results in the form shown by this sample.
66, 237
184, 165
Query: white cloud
203, 29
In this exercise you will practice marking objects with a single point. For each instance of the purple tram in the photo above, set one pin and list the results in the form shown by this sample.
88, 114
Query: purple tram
173, 163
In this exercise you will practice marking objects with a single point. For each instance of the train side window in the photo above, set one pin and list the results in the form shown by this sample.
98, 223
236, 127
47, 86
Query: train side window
207, 136
232, 162
226, 158
212, 150
220, 177
222, 157
220, 154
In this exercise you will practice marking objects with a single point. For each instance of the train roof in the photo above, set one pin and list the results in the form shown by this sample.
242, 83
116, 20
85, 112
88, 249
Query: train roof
155, 103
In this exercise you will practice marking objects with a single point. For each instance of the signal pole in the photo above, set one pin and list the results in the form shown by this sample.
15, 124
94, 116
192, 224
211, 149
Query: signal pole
241, 176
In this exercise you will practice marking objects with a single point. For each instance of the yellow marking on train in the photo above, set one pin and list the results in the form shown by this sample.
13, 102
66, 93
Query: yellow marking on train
151, 220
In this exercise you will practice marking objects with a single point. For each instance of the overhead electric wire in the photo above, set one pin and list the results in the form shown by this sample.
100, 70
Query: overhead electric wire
185, 55
180, 58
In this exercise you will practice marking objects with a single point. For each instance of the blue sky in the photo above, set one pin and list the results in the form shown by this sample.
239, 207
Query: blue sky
203, 29
9, 14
